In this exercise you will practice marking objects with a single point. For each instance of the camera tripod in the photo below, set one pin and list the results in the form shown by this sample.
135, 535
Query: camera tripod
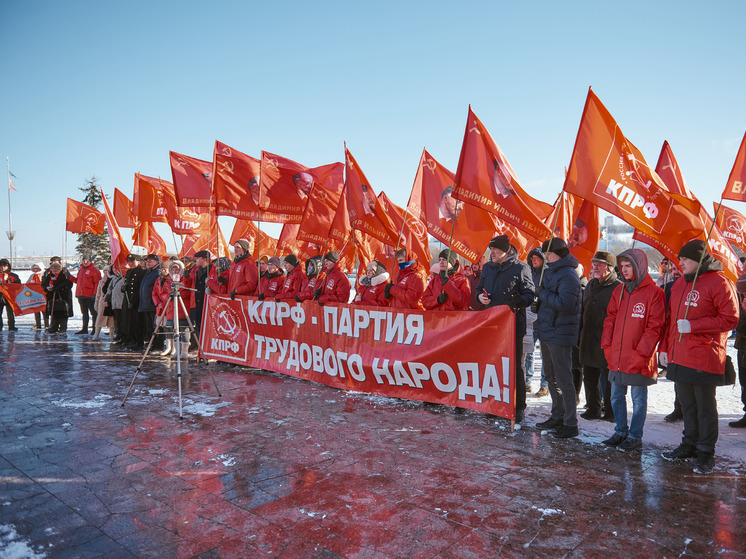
177, 302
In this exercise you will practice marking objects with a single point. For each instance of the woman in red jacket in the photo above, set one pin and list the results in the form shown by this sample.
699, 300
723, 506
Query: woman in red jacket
371, 287
406, 291
634, 324
293, 281
313, 270
336, 287
701, 314
450, 290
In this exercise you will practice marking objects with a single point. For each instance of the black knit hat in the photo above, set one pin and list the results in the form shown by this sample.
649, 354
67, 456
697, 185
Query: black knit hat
292, 260
557, 246
332, 256
605, 258
450, 256
693, 250
500, 242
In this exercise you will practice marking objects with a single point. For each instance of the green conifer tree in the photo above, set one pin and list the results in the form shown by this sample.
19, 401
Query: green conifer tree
96, 246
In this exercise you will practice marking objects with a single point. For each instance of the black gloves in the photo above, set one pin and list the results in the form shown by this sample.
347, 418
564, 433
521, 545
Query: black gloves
442, 298
387, 290
316, 293
535, 306
297, 299
260, 296
277, 300
233, 295
516, 302
444, 277
222, 280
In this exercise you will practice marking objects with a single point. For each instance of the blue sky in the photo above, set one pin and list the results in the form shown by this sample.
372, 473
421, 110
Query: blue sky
107, 89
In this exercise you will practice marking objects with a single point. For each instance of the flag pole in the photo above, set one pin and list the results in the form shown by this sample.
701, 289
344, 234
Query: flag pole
554, 225
702, 258
11, 233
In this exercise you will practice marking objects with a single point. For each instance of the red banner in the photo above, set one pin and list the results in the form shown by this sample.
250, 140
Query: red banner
117, 246
25, 298
461, 359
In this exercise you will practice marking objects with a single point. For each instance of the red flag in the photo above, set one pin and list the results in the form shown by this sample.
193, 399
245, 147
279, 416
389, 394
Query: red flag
578, 224
669, 171
192, 181
288, 243
152, 198
413, 235
25, 298
283, 189
147, 237
366, 213
735, 188
608, 171
732, 224
122, 207
201, 238
119, 250
82, 218
246, 229
485, 179
432, 203
235, 182
323, 201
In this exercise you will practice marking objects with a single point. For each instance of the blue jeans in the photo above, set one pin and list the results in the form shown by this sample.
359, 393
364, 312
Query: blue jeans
639, 409
528, 366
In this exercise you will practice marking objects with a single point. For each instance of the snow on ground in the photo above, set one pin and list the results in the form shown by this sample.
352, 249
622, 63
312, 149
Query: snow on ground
731, 442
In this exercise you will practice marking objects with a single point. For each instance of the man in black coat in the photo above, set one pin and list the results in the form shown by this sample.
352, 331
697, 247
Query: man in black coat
506, 280
132, 329
595, 301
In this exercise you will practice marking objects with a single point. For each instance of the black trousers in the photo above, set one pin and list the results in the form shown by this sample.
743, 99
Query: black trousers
700, 411
4, 305
520, 376
591, 380
87, 306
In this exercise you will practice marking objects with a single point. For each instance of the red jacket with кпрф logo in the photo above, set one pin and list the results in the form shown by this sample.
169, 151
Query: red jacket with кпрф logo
293, 284
713, 313
242, 278
86, 281
633, 327
336, 287
406, 292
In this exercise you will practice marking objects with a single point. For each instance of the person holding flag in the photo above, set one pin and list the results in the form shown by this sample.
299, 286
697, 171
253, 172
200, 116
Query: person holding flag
6, 276
702, 312
59, 288
336, 287
313, 270
405, 293
371, 287
449, 290
293, 280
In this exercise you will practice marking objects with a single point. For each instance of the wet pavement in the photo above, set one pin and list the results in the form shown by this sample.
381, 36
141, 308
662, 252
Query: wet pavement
279, 467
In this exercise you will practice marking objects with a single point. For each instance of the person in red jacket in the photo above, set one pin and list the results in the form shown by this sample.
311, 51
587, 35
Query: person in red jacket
371, 287
700, 316
336, 287
406, 292
275, 280
634, 323
85, 291
313, 269
448, 291
243, 276
293, 281
6, 276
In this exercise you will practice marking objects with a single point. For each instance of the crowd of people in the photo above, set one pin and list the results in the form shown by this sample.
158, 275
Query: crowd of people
612, 334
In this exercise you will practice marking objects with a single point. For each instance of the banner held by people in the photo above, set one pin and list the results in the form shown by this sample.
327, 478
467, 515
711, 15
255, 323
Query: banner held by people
452, 358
